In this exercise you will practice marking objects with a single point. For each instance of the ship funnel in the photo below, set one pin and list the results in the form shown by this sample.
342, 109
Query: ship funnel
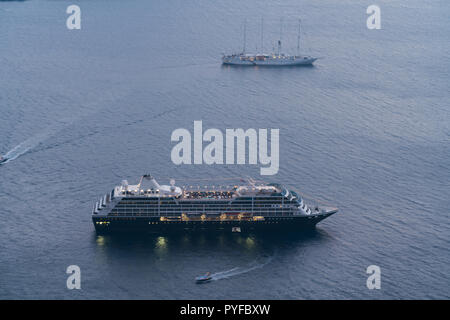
155, 184
148, 182
125, 185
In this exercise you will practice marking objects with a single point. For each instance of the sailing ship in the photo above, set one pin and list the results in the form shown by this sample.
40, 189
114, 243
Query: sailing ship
263, 59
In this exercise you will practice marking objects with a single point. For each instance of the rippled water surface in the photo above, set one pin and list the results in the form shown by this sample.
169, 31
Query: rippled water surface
367, 129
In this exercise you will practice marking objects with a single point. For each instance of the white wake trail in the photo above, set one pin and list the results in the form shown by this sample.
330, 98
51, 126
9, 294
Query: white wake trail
240, 270
26, 146
31, 143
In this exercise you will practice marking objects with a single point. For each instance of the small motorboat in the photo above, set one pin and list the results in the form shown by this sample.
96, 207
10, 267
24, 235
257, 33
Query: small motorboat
205, 278
2, 159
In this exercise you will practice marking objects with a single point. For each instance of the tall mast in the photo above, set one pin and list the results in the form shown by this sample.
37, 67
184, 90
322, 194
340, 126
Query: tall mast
245, 34
281, 34
298, 39
262, 35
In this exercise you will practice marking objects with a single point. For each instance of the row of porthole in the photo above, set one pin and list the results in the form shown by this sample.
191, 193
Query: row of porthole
121, 219
221, 222
134, 219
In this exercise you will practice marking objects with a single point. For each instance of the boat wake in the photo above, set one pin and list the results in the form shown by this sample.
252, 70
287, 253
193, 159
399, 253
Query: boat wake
32, 144
257, 264
39, 141
24, 147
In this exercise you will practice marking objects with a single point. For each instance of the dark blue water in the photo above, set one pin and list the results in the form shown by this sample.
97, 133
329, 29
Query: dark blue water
367, 130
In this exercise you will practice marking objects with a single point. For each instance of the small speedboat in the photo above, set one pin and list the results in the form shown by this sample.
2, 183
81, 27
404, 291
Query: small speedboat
2, 159
205, 278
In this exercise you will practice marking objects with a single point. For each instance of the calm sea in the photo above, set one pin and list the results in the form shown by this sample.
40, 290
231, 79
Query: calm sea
367, 129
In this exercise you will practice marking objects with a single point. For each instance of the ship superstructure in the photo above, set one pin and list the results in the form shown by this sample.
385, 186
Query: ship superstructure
151, 207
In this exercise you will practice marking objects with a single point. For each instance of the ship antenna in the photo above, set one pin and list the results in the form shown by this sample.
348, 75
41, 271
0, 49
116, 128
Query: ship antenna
298, 39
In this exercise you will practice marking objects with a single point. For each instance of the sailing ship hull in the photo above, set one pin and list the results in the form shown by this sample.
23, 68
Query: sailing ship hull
271, 62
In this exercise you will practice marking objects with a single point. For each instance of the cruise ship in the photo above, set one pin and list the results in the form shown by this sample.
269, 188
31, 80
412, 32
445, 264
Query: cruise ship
246, 206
